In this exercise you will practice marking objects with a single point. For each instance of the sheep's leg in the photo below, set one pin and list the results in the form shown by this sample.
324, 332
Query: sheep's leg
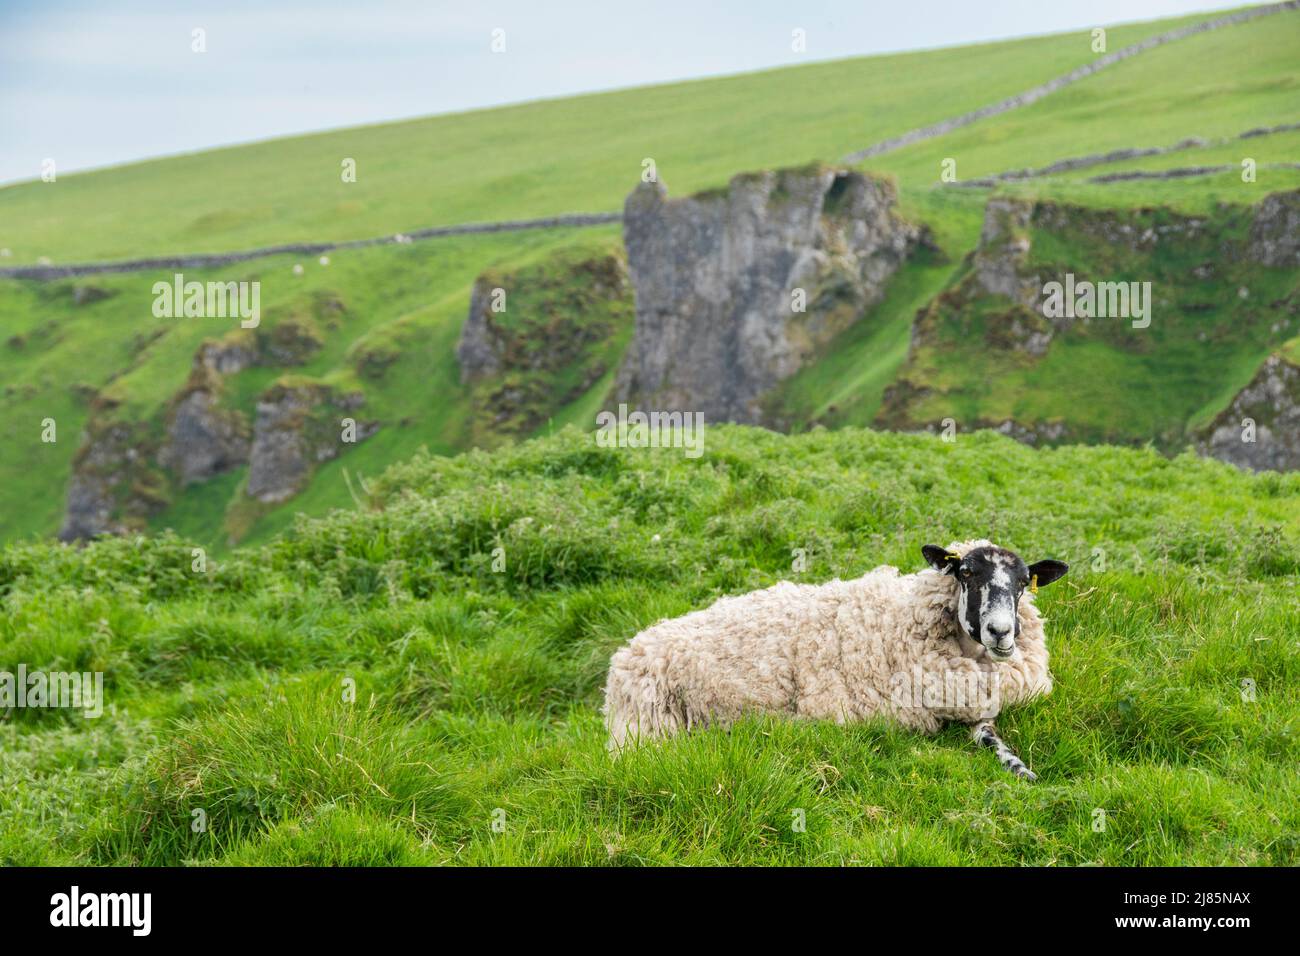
985, 735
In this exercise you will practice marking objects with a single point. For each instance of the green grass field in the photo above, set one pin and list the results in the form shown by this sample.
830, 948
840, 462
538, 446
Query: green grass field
474, 735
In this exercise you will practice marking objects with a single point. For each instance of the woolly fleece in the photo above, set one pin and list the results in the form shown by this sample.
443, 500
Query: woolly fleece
842, 651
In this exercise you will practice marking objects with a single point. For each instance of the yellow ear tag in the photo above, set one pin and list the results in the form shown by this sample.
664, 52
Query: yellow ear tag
953, 555
1033, 584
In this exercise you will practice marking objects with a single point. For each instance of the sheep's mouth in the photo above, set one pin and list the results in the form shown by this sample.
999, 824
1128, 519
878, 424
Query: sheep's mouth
998, 655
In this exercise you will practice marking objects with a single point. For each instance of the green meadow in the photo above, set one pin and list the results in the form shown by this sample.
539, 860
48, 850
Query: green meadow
375, 688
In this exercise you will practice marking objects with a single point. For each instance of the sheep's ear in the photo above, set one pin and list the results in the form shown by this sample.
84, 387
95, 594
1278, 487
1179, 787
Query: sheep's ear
1045, 572
941, 559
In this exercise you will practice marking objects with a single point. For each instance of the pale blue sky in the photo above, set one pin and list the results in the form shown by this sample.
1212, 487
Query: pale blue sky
95, 84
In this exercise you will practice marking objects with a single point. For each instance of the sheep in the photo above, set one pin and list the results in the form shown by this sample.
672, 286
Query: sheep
956, 641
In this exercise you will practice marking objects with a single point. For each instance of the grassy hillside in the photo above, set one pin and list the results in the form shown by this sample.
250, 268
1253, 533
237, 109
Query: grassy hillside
575, 154
1103, 379
1216, 84
391, 330
388, 318
477, 686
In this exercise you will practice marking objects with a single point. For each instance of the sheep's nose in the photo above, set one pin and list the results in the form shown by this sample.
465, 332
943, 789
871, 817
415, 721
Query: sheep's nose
1000, 632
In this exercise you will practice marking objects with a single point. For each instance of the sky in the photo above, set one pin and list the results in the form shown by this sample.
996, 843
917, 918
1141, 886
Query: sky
91, 84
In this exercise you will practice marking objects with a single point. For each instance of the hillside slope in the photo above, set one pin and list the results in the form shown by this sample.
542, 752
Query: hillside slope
534, 159
379, 326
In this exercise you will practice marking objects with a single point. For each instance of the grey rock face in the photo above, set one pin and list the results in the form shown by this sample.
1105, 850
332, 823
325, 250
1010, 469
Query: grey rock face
115, 485
716, 279
1004, 247
1272, 402
90, 493
297, 427
478, 350
227, 356
1275, 232
203, 440
112, 490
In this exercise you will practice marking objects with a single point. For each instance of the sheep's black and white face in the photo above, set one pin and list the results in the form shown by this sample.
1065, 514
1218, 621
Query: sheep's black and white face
990, 581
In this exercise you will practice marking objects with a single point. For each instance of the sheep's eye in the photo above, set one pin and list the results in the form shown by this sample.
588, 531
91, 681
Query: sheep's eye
964, 572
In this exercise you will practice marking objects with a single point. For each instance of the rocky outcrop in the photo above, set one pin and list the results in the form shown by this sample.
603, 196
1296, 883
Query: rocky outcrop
999, 267
480, 348
113, 489
1000, 258
203, 440
230, 355
1268, 411
292, 342
1275, 231
1002, 264
560, 324
122, 474
299, 425
720, 279
1134, 230
559, 308
980, 339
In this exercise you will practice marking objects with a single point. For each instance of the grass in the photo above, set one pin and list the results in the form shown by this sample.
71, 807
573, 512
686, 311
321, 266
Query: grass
1215, 84
367, 689
534, 159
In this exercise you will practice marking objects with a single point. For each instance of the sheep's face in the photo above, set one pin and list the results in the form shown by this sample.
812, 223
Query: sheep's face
990, 581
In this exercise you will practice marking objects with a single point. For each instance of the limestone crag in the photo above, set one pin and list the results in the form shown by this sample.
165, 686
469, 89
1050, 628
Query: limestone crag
113, 489
1275, 231
479, 348
203, 440
1271, 403
298, 426
720, 279
1003, 250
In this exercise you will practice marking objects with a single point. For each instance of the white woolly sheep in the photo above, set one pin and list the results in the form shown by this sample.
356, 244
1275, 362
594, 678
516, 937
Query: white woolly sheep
957, 641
